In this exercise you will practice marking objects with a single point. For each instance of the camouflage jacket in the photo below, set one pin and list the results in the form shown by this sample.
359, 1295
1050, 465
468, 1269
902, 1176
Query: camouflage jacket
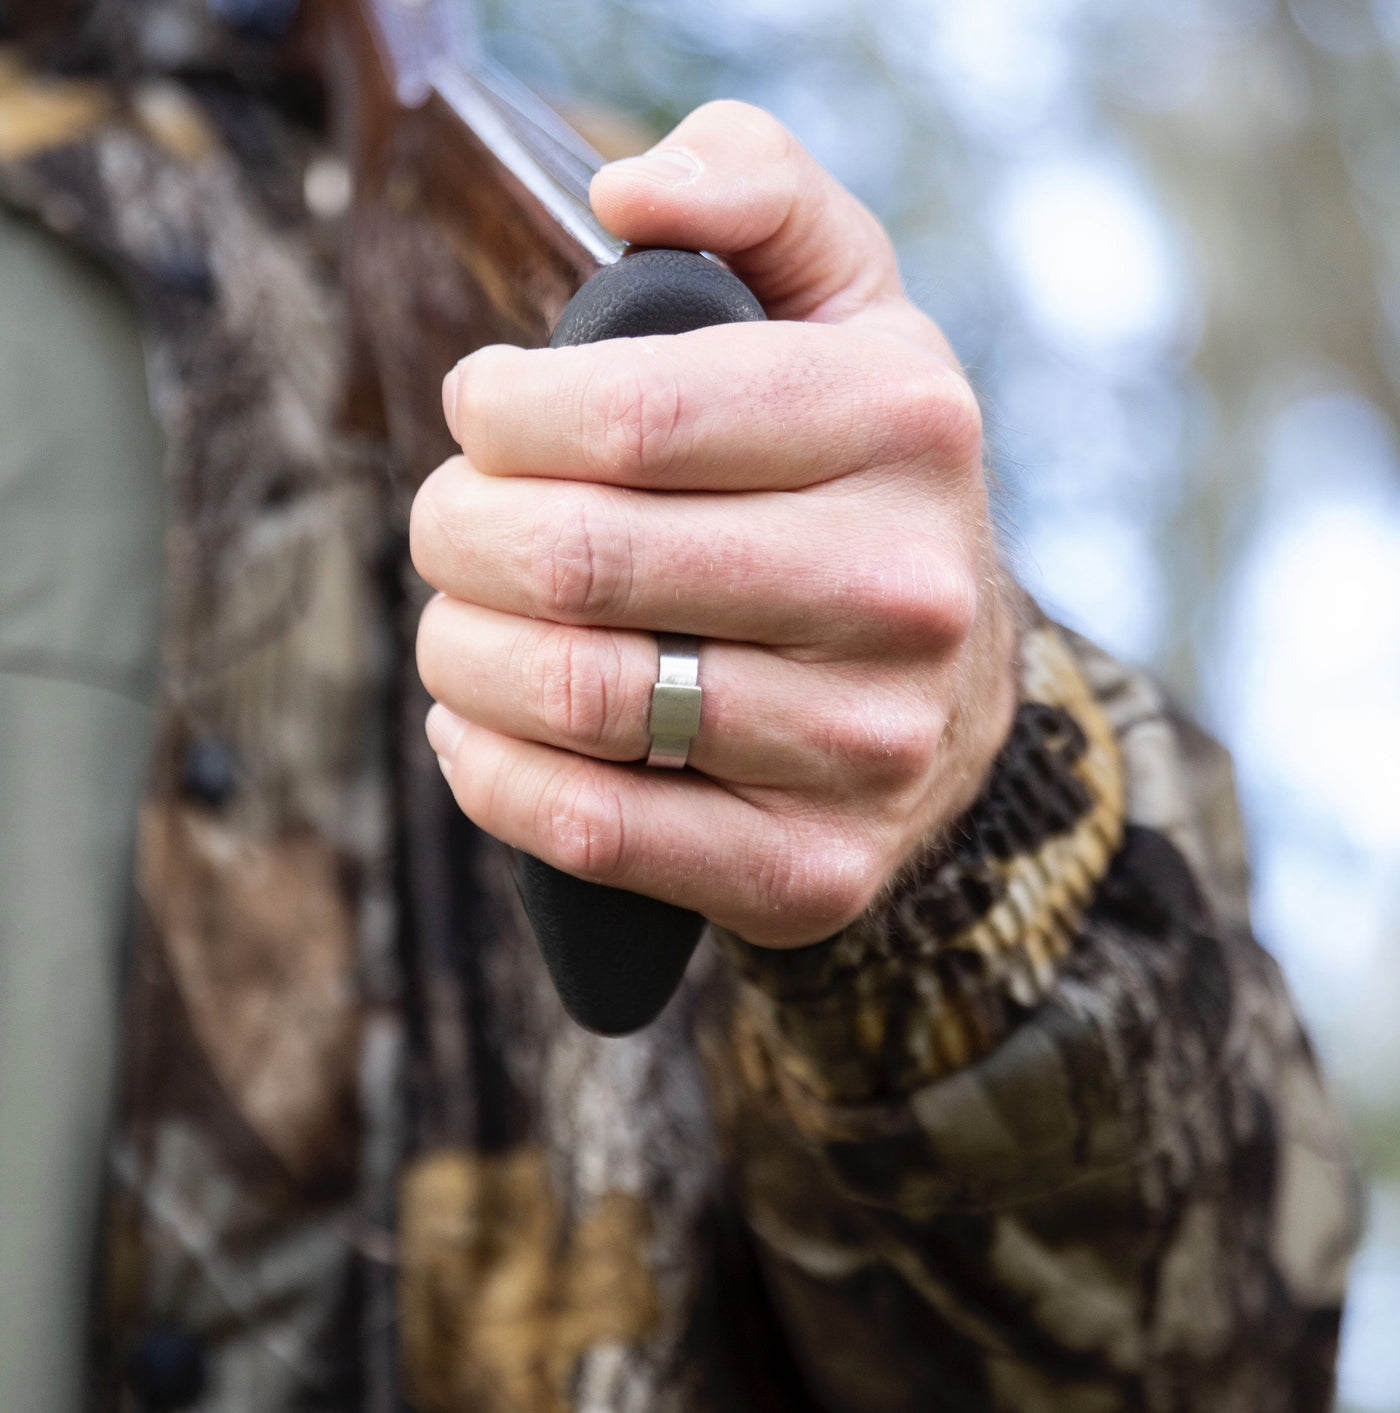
1038, 1133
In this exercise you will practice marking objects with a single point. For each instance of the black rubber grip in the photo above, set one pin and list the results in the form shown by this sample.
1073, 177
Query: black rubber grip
616, 958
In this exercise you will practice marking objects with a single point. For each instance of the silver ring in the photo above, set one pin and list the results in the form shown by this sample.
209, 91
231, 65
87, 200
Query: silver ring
675, 700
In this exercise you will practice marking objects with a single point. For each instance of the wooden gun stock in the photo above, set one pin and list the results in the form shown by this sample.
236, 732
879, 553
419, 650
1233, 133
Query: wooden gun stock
470, 222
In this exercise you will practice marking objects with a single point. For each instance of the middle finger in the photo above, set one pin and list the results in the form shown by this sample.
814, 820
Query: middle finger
776, 568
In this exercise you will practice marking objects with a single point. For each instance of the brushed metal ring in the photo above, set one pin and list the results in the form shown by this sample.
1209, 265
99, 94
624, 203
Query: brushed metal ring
675, 701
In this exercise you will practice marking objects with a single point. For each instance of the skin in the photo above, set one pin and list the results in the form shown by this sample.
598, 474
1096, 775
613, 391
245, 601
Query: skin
807, 496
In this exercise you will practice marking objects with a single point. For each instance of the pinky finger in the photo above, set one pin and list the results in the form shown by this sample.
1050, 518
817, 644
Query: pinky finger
677, 837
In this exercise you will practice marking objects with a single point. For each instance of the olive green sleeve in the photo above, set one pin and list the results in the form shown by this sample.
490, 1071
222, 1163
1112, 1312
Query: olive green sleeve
1041, 1131
80, 572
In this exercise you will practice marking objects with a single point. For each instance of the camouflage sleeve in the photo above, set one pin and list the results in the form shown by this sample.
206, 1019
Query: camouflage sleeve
1041, 1131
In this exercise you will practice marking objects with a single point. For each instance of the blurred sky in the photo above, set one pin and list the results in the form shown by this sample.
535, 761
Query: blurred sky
1165, 238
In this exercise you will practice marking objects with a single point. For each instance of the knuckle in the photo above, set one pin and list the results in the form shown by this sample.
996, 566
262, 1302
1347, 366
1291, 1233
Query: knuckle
934, 413
780, 873
959, 602
954, 595
583, 822
637, 415
958, 422
929, 599
908, 746
850, 877
580, 561
817, 883
576, 686
889, 749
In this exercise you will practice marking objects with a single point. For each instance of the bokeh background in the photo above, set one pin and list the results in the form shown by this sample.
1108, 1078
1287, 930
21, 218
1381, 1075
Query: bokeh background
1164, 237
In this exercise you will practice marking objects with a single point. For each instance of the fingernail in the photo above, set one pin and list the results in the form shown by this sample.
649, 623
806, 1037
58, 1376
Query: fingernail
449, 399
444, 731
666, 166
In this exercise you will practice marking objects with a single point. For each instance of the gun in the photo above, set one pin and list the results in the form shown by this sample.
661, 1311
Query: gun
470, 225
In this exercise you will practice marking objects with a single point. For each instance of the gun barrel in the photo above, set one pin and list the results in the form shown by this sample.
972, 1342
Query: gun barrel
470, 221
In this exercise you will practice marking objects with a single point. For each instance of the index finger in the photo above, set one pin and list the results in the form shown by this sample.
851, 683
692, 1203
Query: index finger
759, 406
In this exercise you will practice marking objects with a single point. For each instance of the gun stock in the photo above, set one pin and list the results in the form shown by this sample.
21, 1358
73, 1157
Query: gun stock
469, 222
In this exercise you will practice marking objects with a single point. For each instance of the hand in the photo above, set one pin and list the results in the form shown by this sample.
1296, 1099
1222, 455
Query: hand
805, 495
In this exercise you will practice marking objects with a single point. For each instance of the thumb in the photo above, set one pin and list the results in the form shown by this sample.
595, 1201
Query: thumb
733, 180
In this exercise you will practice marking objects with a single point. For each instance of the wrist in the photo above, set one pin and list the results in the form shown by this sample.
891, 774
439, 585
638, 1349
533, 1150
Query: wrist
984, 712
971, 932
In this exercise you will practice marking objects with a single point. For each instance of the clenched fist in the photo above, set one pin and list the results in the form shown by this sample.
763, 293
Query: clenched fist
805, 495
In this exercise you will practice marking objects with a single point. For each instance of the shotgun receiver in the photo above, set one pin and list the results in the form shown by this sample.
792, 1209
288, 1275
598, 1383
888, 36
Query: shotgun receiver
470, 225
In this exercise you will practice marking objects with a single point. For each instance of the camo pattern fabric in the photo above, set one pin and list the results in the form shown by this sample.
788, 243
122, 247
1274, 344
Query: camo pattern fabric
1130, 1192
1039, 1134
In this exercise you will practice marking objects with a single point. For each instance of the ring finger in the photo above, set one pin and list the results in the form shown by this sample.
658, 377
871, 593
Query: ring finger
764, 720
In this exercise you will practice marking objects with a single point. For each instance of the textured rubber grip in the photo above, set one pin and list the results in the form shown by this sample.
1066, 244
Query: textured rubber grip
616, 958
